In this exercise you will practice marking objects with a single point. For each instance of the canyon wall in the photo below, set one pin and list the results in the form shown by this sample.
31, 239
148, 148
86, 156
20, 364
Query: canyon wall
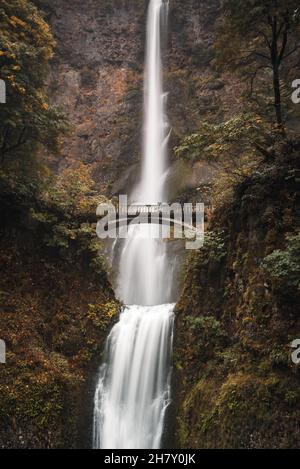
97, 78
235, 384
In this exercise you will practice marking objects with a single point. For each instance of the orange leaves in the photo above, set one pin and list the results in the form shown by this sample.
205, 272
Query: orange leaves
17, 22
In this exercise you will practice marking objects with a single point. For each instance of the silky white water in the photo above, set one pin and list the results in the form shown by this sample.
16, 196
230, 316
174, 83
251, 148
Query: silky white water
133, 390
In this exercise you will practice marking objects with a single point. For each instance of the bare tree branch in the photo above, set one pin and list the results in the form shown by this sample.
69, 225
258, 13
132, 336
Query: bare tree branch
291, 52
254, 75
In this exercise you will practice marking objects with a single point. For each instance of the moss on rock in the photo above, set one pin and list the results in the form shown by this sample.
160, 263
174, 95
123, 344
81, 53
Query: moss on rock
238, 387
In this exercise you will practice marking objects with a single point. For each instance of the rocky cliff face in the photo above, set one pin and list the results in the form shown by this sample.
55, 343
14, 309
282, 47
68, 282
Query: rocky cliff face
237, 318
97, 78
236, 384
55, 317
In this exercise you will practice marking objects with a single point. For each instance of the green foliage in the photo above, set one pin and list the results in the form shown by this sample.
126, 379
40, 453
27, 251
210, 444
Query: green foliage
283, 265
73, 192
279, 357
61, 209
102, 315
238, 393
214, 249
220, 142
18, 188
55, 314
35, 398
65, 215
233, 147
210, 335
26, 46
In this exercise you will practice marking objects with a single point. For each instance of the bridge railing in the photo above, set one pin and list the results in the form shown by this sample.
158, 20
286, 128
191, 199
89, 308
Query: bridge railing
157, 209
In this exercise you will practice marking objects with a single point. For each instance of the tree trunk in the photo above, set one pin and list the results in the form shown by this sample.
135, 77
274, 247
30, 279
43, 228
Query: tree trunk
277, 96
276, 60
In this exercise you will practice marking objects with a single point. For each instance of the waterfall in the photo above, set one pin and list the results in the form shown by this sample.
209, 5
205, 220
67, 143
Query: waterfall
133, 390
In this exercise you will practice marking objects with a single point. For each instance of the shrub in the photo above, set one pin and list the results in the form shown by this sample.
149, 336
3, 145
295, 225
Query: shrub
283, 266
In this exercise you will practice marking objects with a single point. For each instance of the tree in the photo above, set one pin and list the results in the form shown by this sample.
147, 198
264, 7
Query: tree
73, 193
26, 47
261, 35
227, 144
235, 148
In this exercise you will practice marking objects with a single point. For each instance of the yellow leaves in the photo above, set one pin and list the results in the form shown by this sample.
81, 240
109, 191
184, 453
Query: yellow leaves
42, 25
215, 147
248, 319
34, 31
17, 22
26, 45
20, 89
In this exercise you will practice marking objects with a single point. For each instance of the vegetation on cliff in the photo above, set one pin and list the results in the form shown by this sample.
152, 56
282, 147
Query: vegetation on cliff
230, 70
238, 312
26, 46
261, 39
238, 387
56, 303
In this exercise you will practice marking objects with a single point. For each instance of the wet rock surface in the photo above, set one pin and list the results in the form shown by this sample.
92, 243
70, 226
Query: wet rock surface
97, 78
